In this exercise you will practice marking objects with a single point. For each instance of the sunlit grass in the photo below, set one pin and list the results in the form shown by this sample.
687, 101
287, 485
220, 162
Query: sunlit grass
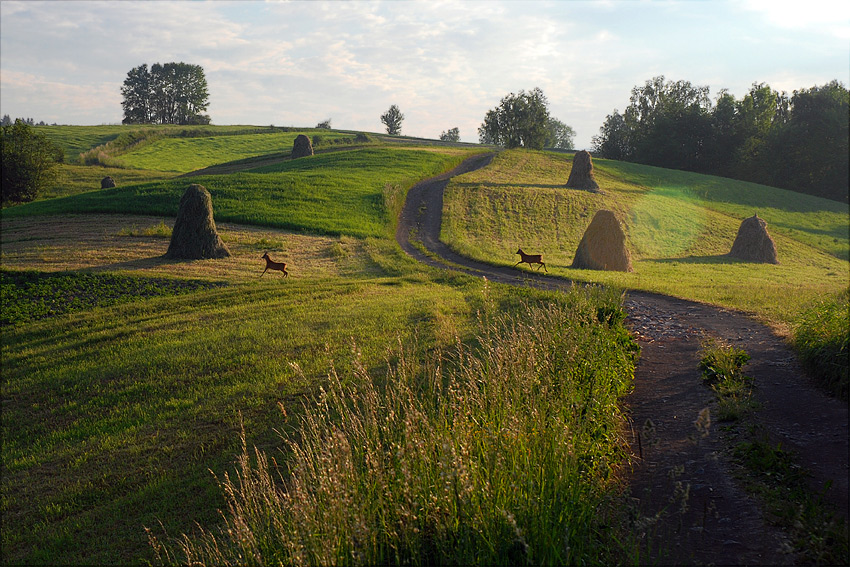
680, 229
182, 155
335, 193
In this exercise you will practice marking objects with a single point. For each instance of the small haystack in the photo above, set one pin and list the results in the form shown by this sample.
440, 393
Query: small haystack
753, 243
302, 147
107, 182
194, 236
581, 175
603, 246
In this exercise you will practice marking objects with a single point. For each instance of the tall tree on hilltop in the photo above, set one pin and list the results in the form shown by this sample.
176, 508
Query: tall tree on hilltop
392, 119
173, 93
137, 101
520, 120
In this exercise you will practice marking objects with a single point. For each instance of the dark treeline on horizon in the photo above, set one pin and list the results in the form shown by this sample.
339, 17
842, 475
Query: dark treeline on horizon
797, 142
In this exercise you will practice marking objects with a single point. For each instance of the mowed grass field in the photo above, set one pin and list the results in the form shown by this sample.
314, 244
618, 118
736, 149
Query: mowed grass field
679, 227
127, 378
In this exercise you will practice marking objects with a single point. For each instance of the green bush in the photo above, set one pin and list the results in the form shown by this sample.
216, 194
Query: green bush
29, 161
821, 337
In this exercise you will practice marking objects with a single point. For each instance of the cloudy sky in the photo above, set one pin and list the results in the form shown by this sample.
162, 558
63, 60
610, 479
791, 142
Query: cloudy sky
444, 63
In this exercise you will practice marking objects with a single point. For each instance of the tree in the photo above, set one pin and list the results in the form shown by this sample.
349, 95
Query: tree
173, 93
392, 120
29, 162
614, 138
137, 101
6, 121
559, 135
520, 120
809, 151
453, 135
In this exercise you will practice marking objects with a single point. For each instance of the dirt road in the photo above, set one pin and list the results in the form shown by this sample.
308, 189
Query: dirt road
684, 486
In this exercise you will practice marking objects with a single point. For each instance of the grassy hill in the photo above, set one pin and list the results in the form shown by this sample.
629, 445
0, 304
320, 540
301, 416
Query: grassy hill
128, 378
680, 226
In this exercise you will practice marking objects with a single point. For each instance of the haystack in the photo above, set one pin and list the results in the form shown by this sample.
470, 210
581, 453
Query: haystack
302, 147
753, 243
107, 182
603, 246
581, 175
194, 236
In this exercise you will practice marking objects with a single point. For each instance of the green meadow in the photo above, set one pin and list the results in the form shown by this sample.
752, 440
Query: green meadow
410, 415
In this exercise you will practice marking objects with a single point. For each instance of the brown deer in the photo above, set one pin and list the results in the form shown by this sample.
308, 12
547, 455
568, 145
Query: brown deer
272, 265
530, 259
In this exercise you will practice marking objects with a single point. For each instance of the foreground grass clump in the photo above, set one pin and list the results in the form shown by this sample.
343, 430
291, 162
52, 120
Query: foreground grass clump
722, 370
500, 451
822, 337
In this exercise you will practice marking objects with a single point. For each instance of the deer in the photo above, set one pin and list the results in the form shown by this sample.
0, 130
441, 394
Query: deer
272, 265
530, 259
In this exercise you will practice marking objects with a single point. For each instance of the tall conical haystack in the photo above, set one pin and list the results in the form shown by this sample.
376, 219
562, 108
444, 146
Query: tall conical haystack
302, 147
194, 236
753, 243
603, 246
581, 175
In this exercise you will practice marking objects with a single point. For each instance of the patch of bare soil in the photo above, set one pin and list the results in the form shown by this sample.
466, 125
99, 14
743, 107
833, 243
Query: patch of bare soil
684, 485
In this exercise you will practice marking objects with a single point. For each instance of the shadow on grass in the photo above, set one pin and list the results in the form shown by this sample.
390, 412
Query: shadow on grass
715, 259
137, 264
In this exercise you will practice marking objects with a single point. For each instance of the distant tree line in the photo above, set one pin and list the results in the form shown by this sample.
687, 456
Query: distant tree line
173, 93
797, 142
7, 121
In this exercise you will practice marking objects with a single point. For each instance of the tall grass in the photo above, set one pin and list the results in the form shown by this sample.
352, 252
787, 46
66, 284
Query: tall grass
822, 337
496, 452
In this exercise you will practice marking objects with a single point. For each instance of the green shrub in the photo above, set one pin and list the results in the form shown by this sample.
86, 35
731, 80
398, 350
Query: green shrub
29, 161
821, 337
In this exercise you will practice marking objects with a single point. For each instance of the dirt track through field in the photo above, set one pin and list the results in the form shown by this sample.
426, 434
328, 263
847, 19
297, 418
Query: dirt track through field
684, 488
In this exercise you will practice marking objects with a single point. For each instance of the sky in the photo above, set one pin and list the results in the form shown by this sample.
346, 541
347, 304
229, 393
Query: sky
445, 63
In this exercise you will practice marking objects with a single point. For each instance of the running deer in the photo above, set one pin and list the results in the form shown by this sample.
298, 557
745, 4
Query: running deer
530, 259
272, 265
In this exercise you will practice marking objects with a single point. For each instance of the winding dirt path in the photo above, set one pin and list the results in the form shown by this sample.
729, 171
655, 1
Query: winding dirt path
686, 497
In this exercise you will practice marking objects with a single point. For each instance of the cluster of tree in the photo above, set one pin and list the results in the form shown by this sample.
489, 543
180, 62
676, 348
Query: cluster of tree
173, 93
523, 120
798, 142
29, 161
453, 135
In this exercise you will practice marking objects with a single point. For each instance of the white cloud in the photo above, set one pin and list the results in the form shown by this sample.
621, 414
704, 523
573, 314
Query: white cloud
816, 16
